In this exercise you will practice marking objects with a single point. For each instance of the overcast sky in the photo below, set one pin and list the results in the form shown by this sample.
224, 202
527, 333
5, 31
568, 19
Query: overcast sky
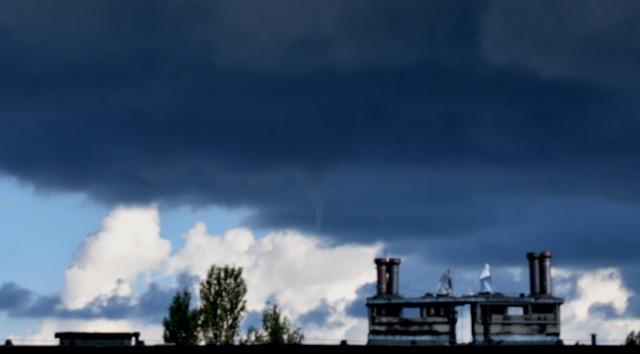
143, 141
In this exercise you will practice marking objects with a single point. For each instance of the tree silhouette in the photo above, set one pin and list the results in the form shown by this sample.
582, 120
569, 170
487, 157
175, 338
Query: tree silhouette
633, 338
276, 329
222, 304
181, 327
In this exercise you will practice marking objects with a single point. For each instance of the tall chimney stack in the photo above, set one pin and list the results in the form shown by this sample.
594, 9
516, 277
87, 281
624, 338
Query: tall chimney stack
394, 273
534, 273
545, 273
381, 266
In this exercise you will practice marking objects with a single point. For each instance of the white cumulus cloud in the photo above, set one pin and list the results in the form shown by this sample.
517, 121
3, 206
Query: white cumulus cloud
109, 262
598, 288
305, 274
300, 272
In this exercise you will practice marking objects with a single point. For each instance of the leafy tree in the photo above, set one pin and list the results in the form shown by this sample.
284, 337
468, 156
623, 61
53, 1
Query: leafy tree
276, 329
222, 304
181, 327
633, 338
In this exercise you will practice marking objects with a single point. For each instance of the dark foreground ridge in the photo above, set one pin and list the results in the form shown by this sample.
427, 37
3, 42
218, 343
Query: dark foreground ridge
333, 349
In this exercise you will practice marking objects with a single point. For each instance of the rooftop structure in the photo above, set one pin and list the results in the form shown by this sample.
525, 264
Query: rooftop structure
495, 318
99, 339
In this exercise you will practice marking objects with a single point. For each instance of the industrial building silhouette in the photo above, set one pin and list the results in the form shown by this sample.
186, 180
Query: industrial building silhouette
499, 324
495, 318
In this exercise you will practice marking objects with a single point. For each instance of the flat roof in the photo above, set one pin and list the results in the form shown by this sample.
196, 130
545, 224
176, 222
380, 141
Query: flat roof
97, 335
489, 298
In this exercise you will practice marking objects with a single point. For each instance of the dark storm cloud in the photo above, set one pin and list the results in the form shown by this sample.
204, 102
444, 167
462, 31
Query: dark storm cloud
590, 40
358, 307
603, 310
630, 277
13, 296
319, 316
42, 306
360, 120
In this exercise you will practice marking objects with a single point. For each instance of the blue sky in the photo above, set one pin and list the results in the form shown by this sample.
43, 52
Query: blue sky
448, 133
47, 227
